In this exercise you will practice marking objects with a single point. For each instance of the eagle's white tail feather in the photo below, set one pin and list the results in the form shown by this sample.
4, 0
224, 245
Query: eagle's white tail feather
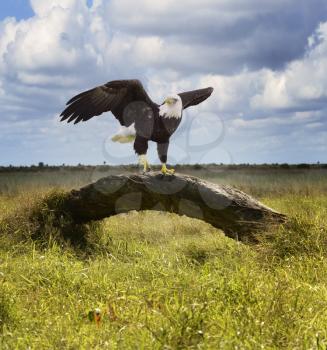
125, 134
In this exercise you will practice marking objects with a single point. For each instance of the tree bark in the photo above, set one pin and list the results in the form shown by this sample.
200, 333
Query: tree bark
236, 213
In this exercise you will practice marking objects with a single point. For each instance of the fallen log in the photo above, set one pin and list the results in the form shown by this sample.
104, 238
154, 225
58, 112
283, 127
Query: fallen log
224, 207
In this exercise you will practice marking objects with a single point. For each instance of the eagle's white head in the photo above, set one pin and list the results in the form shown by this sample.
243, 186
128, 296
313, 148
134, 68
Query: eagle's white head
172, 107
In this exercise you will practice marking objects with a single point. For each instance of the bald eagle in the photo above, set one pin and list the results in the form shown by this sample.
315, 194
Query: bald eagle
141, 119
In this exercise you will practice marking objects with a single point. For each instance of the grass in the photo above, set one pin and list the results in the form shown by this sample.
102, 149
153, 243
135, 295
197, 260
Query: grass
163, 281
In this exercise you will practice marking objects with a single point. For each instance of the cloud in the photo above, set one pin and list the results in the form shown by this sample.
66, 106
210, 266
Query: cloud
267, 64
43, 8
54, 52
302, 85
227, 35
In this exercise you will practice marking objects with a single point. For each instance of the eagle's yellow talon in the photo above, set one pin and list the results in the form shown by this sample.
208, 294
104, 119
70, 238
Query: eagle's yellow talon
166, 171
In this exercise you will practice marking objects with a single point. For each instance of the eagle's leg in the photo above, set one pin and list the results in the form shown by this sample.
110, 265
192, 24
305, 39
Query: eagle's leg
162, 149
144, 162
141, 147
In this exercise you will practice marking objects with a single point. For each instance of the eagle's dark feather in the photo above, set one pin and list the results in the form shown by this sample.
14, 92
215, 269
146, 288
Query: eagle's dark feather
194, 97
113, 96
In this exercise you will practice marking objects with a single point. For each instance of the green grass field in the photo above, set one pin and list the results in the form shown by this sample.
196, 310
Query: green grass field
164, 281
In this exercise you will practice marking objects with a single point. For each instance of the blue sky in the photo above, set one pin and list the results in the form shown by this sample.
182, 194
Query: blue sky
266, 60
15, 8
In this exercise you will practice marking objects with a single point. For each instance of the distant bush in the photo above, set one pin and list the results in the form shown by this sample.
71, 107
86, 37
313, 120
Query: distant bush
284, 166
303, 166
197, 167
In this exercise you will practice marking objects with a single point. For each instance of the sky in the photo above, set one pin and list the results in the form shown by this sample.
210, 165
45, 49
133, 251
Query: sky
267, 62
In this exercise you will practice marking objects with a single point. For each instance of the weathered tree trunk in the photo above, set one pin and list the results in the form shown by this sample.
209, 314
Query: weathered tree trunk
224, 207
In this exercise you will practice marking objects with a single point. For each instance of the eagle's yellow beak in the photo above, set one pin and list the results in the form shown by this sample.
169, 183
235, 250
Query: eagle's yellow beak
169, 101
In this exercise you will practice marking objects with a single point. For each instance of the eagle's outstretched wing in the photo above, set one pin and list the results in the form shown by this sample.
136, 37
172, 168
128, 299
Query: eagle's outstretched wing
192, 98
113, 96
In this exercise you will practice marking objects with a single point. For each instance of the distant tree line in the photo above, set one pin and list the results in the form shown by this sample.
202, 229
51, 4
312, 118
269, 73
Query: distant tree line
41, 166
